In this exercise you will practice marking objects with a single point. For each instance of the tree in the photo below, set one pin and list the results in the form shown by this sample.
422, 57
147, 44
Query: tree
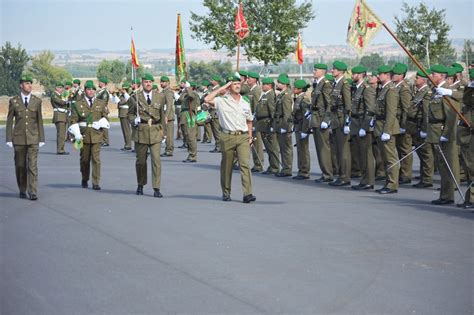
137, 73
113, 70
46, 73
425, 33
199, 71
372, 62
12, 62
467, 53
273, 25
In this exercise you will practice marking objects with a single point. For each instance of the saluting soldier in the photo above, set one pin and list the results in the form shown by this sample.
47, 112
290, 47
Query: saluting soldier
465, 139
417, 128
168, 96
404, 140
189, 106
122, 106
60, 117
88, 120
322, 87
338, 119
235, 118
387, 127
254, 96
147, 114
103, 94
25, 136
283, 124
301, 120
362, 126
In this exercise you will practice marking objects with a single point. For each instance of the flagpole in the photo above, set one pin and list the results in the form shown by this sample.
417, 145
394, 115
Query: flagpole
420, 66
301, 72
238, 52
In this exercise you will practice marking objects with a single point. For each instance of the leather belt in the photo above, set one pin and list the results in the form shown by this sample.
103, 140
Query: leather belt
234, 133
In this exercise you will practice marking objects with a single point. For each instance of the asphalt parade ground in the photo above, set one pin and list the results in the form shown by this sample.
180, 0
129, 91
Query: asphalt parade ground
301, 248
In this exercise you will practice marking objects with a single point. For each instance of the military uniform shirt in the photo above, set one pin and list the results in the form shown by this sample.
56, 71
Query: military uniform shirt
233, 115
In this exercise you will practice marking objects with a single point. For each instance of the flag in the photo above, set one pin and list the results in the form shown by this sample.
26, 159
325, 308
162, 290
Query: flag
241, 28
133, 52
180, 61
299, 50
363, 26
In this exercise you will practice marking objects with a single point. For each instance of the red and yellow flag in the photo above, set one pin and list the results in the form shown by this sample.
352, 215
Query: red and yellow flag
241, 28
299, 50
363, 26
133, 52
180, 60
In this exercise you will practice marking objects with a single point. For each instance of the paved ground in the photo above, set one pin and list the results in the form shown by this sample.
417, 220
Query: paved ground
301, 248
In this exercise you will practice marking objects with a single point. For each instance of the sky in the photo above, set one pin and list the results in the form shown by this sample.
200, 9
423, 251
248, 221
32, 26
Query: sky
105, 24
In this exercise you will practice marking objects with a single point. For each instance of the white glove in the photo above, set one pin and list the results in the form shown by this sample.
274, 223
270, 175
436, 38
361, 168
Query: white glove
137, 121
324, 125
104, 123
443, 139
347, 130
96, 125
362, 133
74, 129
385, 137
126, 96
176, 96
271, 129
115, 99
402, 131
423, 134
283, 130
303, 135
41, 144
443, 91
10, 144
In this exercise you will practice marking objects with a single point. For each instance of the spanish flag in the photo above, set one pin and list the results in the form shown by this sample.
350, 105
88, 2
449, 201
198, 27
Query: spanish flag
299, 50
133, 52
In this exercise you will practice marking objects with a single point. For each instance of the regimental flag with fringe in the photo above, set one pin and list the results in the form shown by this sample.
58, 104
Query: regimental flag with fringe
299, 50
180, 60
133, 52
241, 28
363, 26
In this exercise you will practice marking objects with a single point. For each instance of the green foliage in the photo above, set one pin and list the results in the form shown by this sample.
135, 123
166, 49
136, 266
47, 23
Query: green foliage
46, 73
274, 27
12, 63
137, 73
80, 70
113, 70
421, 28
199, 71
372, 62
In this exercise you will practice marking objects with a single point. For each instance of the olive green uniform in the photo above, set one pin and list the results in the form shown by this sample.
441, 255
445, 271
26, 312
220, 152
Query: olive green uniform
362, 117
125, 125
168, 97
465, 138
404, 140
263, 124
257, 153
386, 122
338, 112
60, 118
189, 106
302, 105
215, 126
84, 115
207, 137
283, 125
25, 134
319, 107
147, 135
103, 94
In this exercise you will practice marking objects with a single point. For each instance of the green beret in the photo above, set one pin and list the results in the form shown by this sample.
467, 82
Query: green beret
222, 83
268, 80
89, 85
125, 85
471, 73
243, 73
104, 80
375, 72
216, 77
205, 82
301, 84
329, 77
359, 69
421, 74
458, 67
148, 77
320, 66
399, 68
76, 81
26, 78
68, 83
184, 81
137, 81
451, 71
59, 84
233, 78
439, 69
349, 80
283, 79
192, 84
154, 87
339, 65
164, 79
384, 69
253, 75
